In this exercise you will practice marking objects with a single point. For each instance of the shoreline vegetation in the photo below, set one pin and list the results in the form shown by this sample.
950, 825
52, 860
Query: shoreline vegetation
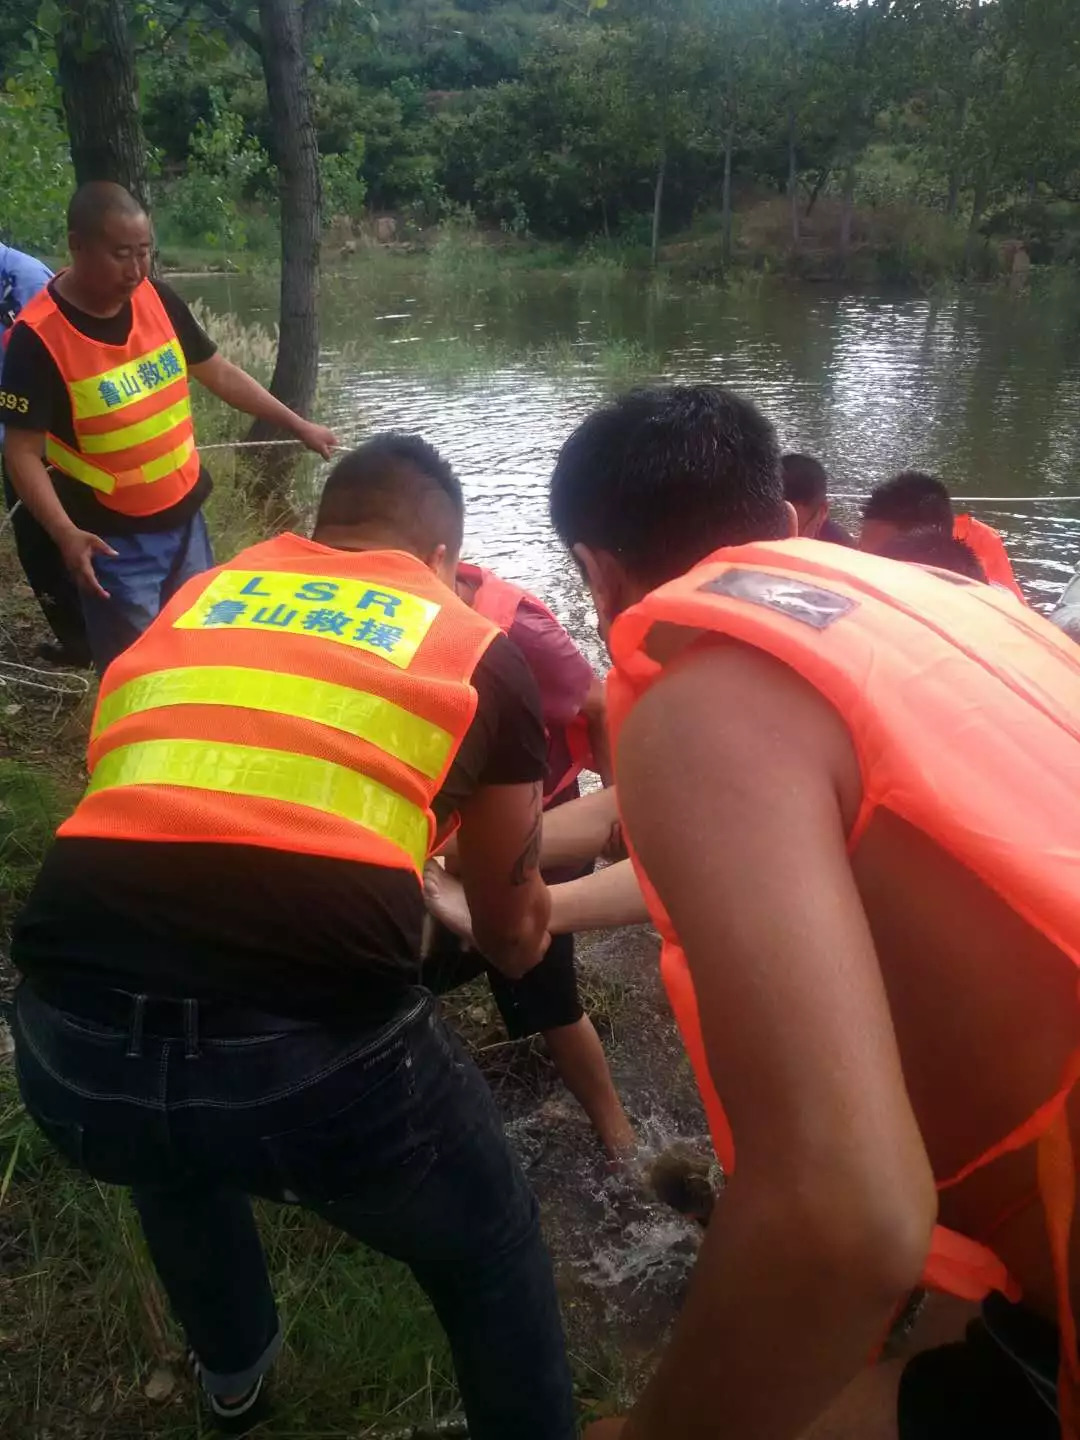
900, 246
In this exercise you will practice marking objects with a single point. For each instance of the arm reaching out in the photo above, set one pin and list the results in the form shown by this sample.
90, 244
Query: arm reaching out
498, 857
575, 832
737, 783
602, 901
238, 389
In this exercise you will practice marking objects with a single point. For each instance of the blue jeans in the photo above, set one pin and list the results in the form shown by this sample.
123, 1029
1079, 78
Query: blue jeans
145, 573
390, 1133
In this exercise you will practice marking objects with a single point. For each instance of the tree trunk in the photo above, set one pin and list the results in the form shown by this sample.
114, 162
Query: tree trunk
952, 200
658, 202
819, 185
725, 232
978, 206
793, 177
296, 370
96, 65
847, 214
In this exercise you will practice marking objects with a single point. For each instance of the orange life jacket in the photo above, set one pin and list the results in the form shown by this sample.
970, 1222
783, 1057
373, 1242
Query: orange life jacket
498, 601
912, 660
134, 442
989, 550
299, 698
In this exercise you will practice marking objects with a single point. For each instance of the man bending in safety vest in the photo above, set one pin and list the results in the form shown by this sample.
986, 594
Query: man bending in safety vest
95, 383
221, 954
547, 1001
851, 788
914, 501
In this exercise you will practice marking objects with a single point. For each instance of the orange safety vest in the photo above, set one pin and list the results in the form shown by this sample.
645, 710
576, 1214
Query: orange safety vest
298, 698
951, 692
134, 442
498, 601
989, 550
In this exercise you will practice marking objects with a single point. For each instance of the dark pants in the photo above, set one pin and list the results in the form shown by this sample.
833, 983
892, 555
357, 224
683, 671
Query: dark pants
389, 1133
48, 577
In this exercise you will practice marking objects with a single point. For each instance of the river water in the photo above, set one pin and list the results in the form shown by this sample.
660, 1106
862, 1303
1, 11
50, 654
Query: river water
981, 387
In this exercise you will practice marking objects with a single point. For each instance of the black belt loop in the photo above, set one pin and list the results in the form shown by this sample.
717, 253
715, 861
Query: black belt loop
135, 1039
191, 1029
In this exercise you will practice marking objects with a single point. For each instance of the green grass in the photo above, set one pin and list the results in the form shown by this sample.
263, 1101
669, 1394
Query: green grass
32, 804
84, 1325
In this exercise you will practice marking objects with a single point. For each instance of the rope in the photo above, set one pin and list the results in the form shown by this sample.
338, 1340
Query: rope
68, 683
246, 444
959, 499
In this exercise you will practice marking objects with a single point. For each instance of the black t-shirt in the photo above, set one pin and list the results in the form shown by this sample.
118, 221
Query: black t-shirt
291, 934
31, 374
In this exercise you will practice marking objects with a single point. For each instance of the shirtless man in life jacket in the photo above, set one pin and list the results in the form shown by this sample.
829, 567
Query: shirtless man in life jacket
876, 1018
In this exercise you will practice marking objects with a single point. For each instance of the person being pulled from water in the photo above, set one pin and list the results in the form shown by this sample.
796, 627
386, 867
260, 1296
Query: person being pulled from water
221, 955
806, 489
546, 1001
850, 787
915, 501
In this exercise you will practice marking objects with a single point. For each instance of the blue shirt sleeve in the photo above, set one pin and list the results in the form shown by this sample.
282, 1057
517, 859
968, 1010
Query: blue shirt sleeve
21, 277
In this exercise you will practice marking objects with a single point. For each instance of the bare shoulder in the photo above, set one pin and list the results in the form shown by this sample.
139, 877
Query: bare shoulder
751, 719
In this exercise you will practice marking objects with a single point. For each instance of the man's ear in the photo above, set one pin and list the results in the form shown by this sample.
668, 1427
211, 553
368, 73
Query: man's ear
442, 564
608, 585
793, 520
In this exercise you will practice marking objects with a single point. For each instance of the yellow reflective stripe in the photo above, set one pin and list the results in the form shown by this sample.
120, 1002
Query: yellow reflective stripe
70, 463
268, 775
137, 434
400, 733
159, 468
79, 469
129, 382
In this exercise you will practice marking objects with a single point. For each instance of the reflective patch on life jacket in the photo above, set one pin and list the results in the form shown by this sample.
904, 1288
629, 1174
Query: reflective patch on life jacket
387, 623
809, 604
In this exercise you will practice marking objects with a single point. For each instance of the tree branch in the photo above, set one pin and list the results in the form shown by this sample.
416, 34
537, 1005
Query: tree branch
230, 17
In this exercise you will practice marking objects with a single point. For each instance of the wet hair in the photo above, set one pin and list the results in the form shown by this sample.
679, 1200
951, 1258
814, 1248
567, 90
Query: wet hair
912, 500
805, 479
399, 490
662, 477
931, 546
94, 202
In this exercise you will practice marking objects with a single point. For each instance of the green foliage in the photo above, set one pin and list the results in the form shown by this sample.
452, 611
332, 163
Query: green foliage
573, 122
226, 166
36, 167
343, 185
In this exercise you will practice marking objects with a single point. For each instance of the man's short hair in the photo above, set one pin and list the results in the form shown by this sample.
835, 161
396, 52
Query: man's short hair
912, 500
662, 477
398, 489
932, 546
92, 204
806, 481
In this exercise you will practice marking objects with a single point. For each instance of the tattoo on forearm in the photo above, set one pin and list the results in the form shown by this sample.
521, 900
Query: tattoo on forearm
529, 858
614, 845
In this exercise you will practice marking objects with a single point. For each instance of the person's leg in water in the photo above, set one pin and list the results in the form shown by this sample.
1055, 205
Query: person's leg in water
546, 1001
389, 1133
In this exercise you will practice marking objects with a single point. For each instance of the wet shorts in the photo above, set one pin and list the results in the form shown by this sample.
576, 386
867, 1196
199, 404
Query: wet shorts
998, 1383
544, 999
